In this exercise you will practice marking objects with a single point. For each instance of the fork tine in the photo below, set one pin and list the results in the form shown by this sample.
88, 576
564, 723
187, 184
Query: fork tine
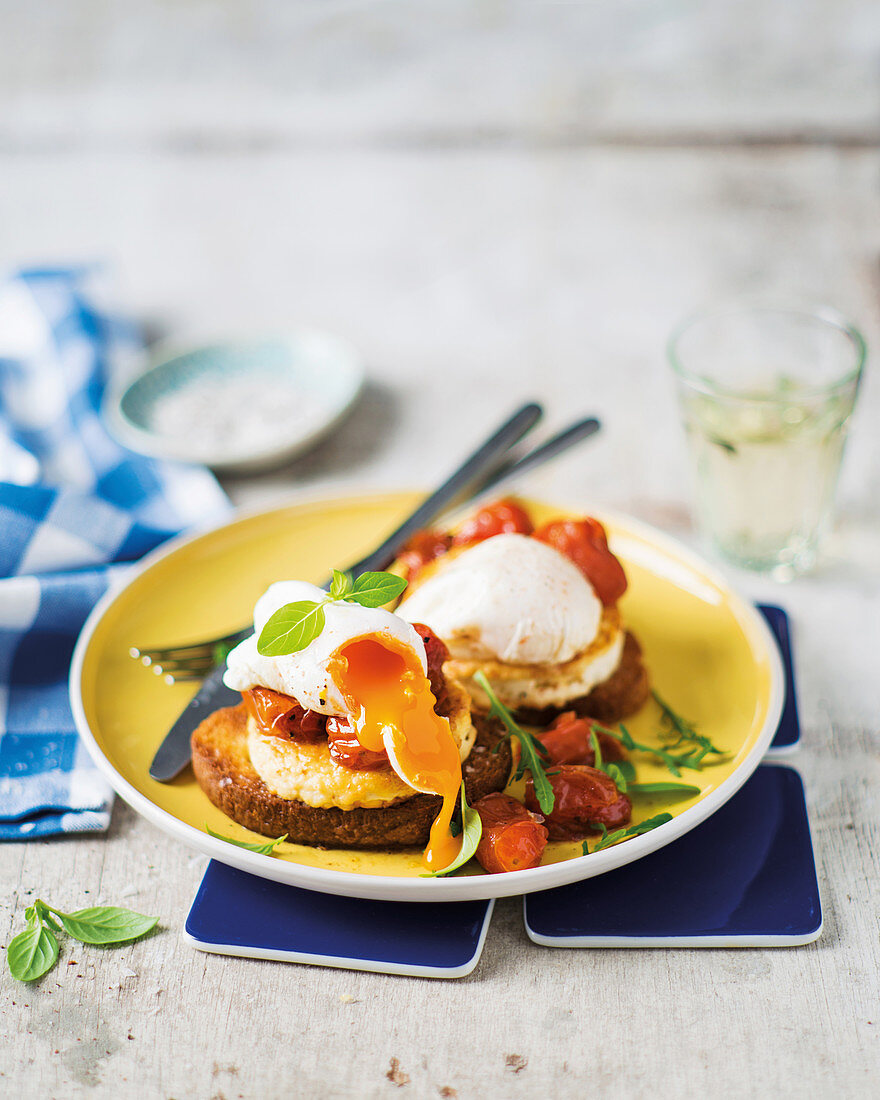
177, 662
197, 649
201, 664
184, 678
202, 652
184, 666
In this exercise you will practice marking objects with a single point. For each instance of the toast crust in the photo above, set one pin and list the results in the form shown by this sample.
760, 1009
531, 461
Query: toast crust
618, 697
225, 773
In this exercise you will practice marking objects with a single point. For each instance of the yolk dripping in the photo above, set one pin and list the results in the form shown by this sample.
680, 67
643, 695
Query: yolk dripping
392, 706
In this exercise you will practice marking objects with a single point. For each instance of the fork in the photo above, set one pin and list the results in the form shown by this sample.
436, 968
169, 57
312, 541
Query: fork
195, 660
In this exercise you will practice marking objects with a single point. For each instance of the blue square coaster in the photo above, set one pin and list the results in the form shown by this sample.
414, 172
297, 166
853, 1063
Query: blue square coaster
788, 735
744, 878
235, 913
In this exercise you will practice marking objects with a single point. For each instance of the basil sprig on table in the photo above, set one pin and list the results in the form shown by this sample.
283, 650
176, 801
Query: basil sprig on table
296, 625
471, 831
533, 755
267, 848
607, 839
34, 952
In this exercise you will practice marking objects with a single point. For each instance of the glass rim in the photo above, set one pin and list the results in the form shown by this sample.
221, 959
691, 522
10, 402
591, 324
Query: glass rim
826, 315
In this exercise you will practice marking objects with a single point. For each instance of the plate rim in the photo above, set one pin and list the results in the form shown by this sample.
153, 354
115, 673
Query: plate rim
395, 887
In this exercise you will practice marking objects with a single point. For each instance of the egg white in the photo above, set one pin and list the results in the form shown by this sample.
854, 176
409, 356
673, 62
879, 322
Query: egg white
305, 675
510, 598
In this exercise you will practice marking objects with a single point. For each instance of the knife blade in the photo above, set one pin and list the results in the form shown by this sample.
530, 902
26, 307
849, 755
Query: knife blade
173, 754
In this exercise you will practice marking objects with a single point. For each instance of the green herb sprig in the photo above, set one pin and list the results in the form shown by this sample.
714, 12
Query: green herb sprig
533, 755
34, 952
265, 849
607, 839
679, 790
296, 625
684, 732
673, 761
471, 832
622, 777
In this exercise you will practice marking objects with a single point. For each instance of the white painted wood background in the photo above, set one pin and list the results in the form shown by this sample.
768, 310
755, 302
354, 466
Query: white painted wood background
492, 200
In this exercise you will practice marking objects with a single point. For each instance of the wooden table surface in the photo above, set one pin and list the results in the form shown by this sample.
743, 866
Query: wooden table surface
492, 201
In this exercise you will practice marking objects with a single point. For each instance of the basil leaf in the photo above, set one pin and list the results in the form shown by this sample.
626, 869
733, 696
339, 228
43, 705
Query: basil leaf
531, 749
44, 914
472, 830
291, 628
106, 924
376, 589
32, 953
265, 849
341, 586
685, 790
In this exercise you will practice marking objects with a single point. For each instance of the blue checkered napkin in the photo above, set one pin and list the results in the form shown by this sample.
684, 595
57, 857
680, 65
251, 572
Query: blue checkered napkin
74, 506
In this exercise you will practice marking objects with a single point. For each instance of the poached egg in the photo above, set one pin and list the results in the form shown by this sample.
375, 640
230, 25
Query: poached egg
510, 598
523, 613
369, 666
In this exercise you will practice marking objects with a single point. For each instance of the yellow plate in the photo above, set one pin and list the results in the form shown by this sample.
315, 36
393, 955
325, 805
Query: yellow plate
709, 653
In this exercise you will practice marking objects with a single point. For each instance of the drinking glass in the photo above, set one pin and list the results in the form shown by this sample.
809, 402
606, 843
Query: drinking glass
767, 393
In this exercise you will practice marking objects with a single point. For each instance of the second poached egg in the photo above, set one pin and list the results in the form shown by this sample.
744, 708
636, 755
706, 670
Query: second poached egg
510, 598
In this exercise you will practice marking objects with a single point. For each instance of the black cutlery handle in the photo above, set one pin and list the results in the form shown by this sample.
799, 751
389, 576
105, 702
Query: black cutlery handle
465, 478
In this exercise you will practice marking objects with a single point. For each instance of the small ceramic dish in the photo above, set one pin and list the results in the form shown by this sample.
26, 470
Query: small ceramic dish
241, 406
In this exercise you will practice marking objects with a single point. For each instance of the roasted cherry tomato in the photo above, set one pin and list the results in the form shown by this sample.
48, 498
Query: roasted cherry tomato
423, 547
348, 752
513, 838
283, 716
502, 517
436, 655
585, 543
584, 798
568, 741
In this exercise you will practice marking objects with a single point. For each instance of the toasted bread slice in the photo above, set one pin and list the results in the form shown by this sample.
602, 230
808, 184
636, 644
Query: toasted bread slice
621, 695
224, 771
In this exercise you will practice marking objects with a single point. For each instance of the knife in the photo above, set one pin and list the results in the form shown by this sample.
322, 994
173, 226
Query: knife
173, 754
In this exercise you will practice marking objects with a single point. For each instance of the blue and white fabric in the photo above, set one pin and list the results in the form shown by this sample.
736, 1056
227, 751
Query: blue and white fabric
74, 507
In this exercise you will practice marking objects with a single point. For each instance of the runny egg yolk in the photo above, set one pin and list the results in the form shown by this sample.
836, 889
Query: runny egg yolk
392, 708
